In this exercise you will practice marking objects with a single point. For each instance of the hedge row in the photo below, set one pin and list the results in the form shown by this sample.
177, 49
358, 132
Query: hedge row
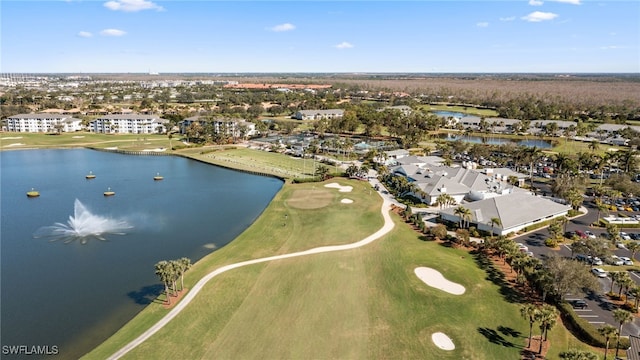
587, 332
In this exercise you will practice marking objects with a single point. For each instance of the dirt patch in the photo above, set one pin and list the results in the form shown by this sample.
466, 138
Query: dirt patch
175, 298
310, 199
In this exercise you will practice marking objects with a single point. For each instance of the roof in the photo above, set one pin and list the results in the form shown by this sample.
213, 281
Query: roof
129, 116
40, 116
514, 209
322, 112
633, 353
438, 185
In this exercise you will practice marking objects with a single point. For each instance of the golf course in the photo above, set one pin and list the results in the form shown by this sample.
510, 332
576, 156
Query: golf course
364, 302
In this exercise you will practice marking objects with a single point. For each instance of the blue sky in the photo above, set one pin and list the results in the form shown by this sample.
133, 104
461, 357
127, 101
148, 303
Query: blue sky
320, 36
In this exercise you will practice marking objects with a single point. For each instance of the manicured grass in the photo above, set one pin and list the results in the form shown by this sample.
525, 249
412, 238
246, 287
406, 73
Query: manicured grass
361, 303
258, 161
462, 109
133, 142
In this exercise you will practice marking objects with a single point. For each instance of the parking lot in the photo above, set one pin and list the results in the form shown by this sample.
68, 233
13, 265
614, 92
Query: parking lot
597, 308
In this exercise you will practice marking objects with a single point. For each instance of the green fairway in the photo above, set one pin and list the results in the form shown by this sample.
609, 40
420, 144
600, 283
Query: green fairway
258, 161
134, 142
461, 109
361, 303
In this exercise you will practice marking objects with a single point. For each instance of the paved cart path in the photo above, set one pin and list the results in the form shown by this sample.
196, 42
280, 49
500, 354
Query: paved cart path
388, 225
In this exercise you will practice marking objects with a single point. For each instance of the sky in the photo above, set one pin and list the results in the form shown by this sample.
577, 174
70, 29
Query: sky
141, 36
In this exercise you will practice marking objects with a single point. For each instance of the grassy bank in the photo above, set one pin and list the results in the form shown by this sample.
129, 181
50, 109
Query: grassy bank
133, 142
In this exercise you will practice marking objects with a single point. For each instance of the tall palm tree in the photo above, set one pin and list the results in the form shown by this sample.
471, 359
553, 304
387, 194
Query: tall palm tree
161, 269
529, 312
495, 221
547, 317
622, 317
464, 214
633, 247
602, 207
594, 145
608, 332
635, 292
184, 264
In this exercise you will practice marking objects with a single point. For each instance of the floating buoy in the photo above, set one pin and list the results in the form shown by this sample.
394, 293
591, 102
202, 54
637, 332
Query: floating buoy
109, 192
90, 175
33, 193
158, 177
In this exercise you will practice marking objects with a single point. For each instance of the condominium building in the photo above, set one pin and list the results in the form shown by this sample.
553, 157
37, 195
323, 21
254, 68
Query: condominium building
44, 123
129, 124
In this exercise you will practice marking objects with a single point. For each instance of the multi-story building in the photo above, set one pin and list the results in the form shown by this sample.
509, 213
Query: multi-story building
232, 127
44, 123
318, 114
129, 124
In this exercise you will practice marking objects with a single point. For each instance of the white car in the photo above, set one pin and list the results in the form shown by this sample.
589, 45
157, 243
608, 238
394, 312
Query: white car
596, 261
599, 272
625, 236
590, 235
626, 260
615, 260
522, 247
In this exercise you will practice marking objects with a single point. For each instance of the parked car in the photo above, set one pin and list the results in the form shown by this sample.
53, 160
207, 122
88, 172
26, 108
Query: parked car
625, 236
599, 272
522, 247
595, 261
581, 234
626, 260
582, 257
579, 304
615, 260
590, 235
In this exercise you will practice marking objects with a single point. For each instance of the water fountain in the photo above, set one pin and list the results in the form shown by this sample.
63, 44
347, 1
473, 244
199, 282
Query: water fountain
82, 226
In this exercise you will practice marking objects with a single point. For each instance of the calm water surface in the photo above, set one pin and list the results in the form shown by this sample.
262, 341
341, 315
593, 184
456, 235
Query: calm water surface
76, 295
543, 144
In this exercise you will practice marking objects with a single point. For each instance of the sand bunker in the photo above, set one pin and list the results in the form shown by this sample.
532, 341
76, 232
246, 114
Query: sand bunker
442, 341
77, 137
111, 148
346, 201
155, 150
12, 138
434, 279
15, 144
340, 187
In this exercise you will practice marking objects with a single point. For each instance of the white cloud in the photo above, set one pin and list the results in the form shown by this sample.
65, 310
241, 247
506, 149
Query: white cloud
112, 32
85, 34
510, 18
344, 45
572, 2
482, 24
612, 47
283, 27
535, 2
132, 5
538, 16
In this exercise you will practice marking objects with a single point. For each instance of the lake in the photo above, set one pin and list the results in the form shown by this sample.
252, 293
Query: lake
74, 295
542, 144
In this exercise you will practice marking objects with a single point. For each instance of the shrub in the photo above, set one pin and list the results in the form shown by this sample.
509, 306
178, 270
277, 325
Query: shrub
585, 331
550, 242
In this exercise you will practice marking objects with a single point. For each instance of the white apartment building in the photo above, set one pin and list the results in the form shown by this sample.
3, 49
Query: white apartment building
44, 123
129, 124
318, 114
233, 127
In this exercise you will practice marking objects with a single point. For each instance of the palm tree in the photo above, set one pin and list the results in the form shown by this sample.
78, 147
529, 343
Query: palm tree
602, 207
622, 317
184, 264
635, 292
633, 247
548, 319
594, 145
608, 332
464, 214
161, 269
495, 221
529, 312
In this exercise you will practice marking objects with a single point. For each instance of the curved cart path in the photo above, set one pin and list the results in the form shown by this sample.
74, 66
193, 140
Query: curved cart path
388, 225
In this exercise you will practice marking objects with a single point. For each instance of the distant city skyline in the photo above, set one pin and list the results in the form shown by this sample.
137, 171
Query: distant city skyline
141, 36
